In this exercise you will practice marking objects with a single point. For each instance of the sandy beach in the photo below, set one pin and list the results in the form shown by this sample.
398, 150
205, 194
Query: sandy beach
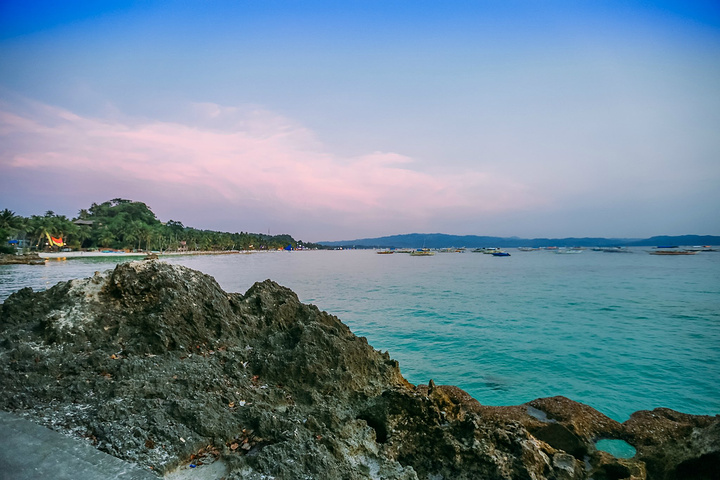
69, 255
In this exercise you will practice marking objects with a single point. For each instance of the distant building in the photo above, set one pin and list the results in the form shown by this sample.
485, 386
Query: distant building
18, 244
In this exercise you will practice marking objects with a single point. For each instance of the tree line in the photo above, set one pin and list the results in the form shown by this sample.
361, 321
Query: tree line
126, 225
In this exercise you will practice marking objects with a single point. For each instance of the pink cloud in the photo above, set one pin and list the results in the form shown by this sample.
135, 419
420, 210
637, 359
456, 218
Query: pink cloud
250, 157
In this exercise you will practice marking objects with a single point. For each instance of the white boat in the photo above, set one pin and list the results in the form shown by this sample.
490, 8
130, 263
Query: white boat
612, 249
568, 250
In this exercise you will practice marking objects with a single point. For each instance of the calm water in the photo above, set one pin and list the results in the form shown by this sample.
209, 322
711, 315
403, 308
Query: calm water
620, 332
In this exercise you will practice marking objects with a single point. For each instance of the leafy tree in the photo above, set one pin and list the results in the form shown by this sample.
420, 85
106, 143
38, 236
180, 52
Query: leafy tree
122, 223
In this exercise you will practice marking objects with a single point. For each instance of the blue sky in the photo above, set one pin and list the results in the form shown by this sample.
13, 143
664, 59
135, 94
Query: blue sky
340, 120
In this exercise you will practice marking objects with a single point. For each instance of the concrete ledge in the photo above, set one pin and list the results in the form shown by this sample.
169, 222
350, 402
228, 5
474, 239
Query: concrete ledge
29, 451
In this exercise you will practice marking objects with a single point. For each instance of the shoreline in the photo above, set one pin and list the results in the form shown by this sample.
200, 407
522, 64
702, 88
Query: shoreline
69, 255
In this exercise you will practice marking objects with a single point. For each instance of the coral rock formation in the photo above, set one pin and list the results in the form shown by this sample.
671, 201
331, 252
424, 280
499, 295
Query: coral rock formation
156, 364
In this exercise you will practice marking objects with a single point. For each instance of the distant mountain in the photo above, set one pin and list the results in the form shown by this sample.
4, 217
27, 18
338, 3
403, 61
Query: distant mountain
441, 240
677, 240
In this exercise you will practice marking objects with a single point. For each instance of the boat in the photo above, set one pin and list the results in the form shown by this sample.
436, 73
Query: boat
673, 252
703, 248
612, 249
422, 252
487, 250
500, 254
568, 250
385, 252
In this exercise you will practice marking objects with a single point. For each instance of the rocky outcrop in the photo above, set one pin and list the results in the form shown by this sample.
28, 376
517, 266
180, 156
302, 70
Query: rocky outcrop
156, 364
28, 259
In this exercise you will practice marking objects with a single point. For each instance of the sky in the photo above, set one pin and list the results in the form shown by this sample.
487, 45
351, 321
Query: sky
338, 120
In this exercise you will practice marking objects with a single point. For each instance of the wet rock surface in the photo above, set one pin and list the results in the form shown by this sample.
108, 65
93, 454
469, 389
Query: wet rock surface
156, 364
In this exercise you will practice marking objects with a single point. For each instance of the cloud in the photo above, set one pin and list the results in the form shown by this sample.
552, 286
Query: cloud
246, 158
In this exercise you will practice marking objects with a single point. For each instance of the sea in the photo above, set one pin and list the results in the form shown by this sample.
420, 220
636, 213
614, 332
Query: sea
620, 332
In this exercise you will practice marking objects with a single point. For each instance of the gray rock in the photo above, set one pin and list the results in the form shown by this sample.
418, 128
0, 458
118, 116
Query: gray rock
157, 365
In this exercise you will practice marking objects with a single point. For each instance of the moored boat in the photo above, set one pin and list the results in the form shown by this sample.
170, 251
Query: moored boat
612, 249
487, 250
703, 248
568, 250
673, 252
422, 252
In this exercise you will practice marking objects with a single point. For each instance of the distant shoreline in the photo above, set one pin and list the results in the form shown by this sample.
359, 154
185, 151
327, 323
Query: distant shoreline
142, 254
441, 240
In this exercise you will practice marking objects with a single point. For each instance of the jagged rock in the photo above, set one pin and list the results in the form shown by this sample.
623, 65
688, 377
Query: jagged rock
676, 445
156, 364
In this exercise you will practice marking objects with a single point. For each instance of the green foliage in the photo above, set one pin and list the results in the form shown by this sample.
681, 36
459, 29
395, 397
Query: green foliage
11, 226
4, 236
125, 224
9, 221
37, 228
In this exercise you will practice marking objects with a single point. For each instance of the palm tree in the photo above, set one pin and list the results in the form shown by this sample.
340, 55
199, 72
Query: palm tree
134, 231
130, 238
106, 238
147, 234
10, 221
142, 232
36, 228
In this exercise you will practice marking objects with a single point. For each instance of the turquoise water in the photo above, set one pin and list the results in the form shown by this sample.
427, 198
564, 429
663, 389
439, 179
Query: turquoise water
617, 448
620, 332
